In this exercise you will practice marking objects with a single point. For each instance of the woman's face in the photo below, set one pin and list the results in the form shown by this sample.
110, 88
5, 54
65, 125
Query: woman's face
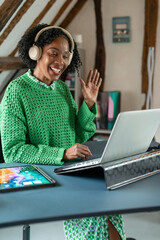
53, 62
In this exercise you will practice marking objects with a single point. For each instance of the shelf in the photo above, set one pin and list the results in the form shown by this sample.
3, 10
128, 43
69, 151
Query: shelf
103, 131
101, 135
72, 89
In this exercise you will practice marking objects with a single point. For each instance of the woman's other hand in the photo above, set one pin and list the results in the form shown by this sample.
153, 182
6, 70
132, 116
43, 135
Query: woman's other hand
90, 89
77, 150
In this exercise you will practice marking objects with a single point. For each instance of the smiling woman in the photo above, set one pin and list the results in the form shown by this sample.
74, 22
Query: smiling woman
40, 121
53, 62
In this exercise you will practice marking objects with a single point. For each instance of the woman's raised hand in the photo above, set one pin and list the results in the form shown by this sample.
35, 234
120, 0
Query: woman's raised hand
90, 89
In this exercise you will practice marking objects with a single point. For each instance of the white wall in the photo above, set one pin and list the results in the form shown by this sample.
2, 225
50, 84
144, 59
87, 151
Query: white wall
123, 61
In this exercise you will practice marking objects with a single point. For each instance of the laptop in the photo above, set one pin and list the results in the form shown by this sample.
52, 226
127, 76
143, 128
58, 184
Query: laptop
131, 135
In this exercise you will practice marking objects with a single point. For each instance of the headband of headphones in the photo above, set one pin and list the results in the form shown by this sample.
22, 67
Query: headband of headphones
35, 52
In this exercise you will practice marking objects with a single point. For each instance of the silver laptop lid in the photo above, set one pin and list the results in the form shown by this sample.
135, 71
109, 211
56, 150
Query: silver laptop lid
132, 134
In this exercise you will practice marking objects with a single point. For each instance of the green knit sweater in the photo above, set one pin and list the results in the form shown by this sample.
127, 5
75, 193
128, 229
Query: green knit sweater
38, 122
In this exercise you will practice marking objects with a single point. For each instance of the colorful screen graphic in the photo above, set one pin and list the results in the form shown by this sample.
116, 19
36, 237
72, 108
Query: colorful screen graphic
15, 177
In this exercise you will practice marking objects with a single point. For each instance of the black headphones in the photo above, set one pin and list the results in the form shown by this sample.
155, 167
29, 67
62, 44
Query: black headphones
35, 52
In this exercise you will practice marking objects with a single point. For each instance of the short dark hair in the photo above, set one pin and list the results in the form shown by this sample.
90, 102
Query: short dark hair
46, 37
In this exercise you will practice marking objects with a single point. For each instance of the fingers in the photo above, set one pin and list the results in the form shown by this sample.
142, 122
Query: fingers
99, 82
82, 83
77, 150
89, 76
94, 78
82, 151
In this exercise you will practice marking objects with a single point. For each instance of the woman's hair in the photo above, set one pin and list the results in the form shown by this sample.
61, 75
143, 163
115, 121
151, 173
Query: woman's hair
48, 36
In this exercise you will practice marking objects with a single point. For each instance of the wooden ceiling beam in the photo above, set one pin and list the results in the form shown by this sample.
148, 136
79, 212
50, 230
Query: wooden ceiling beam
7, 9
10, 63
42, 14
100, 58
37, 20
61, 11
73, 12
150, 33
4, 65
77, 7
16, 19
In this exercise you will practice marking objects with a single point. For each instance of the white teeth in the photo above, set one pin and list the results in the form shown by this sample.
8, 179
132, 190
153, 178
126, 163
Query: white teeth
56, 70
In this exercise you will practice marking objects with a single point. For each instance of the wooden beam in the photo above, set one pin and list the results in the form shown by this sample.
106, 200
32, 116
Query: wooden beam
61, 11
37, 20
42, 14
8, 63
7, 9
64, 24
100, 59
150, 31
73, 12
16, 19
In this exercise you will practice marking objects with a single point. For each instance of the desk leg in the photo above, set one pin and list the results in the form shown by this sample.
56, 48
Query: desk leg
26, 232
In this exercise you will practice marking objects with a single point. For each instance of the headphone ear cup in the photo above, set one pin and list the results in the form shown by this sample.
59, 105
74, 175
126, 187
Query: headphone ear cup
35, 53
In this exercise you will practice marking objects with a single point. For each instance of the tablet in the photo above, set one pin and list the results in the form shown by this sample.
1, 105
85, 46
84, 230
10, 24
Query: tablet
23, 177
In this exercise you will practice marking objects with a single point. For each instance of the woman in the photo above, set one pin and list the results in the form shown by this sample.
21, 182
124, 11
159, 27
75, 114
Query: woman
40, 123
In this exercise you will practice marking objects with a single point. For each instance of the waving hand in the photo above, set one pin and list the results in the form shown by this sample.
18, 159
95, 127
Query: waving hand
90, 89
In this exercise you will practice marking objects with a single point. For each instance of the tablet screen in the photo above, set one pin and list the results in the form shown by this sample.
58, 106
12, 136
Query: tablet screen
22, 177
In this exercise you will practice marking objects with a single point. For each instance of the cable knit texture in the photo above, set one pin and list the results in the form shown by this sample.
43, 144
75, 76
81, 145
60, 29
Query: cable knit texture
38, 122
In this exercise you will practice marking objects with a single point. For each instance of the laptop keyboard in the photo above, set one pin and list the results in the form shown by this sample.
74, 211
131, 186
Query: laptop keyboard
79, 165
96, 148
85, 163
